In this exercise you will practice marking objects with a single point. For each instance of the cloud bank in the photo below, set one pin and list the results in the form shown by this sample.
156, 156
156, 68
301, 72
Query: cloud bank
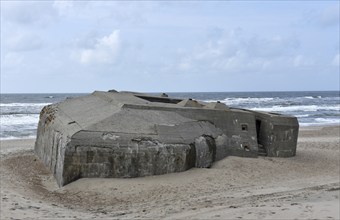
169, 46
104, 51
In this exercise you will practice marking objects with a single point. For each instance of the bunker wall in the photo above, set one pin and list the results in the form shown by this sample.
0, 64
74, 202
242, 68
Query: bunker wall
51, 142
88, 155
238, 128
98, 136
277, 134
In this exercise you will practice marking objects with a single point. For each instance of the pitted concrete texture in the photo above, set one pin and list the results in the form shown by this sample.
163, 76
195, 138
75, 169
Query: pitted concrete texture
127, 134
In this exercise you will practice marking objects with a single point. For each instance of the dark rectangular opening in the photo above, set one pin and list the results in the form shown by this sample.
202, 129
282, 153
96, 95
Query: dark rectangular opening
244, 127
159, 99
258, 128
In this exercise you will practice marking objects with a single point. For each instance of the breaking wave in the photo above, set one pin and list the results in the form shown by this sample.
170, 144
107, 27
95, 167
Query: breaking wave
304, 108
19, 119
20, 113
23, 104
322, 121
21, 108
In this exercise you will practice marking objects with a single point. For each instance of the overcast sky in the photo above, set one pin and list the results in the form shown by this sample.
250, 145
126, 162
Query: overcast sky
81, 46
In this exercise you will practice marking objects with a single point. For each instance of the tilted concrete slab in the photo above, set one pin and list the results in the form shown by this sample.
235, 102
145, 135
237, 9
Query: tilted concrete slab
128, 134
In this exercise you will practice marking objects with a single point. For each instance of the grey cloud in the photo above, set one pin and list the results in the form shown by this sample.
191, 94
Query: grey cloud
238, 51
336, 60
27, 12
11, 60
63, 7
215, 33
127, 13
271, 47
102, 11
23, 42
325, 17
330, 16
87, 41
104, 50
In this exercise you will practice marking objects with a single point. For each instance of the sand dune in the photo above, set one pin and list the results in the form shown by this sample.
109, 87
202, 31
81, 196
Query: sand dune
303, 187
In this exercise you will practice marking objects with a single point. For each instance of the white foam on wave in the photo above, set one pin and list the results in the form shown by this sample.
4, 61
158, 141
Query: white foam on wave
23, 104
21, 108
305, 108
17, 138
210, 100
19, 119
321, 121
308, 97
313, 97
328, 120
302, 116
230, 101
249, 100
235, 101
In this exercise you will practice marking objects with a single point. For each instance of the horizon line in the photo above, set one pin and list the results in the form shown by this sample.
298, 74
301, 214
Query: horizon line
168, 92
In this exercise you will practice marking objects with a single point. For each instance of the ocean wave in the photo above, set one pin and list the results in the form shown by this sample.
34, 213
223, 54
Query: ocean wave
27, 120
308, 97
17, 137
246, 100
235, 101
313, 97
21, 108
302, 116
298, 108
19, 113
273, 100
23, 104
328, 120
306, 124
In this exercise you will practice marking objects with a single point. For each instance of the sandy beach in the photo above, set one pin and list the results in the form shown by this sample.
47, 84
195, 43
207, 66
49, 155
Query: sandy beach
306, 186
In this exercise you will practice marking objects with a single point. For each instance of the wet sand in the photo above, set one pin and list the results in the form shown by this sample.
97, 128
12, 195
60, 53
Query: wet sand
306, 186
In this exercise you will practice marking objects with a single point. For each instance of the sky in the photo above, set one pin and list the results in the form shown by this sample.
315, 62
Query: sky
169, 46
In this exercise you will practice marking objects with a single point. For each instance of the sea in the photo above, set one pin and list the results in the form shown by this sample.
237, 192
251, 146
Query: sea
20, 112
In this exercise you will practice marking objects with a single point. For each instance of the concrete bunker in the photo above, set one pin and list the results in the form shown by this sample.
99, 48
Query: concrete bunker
126, 134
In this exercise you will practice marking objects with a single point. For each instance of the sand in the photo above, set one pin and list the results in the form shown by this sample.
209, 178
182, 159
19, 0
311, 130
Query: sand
303, 187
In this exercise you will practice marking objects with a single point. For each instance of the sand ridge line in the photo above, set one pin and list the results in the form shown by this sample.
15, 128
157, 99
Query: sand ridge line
282, 199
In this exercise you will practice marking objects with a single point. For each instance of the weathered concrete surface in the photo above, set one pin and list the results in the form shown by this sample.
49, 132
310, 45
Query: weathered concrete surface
126, 134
